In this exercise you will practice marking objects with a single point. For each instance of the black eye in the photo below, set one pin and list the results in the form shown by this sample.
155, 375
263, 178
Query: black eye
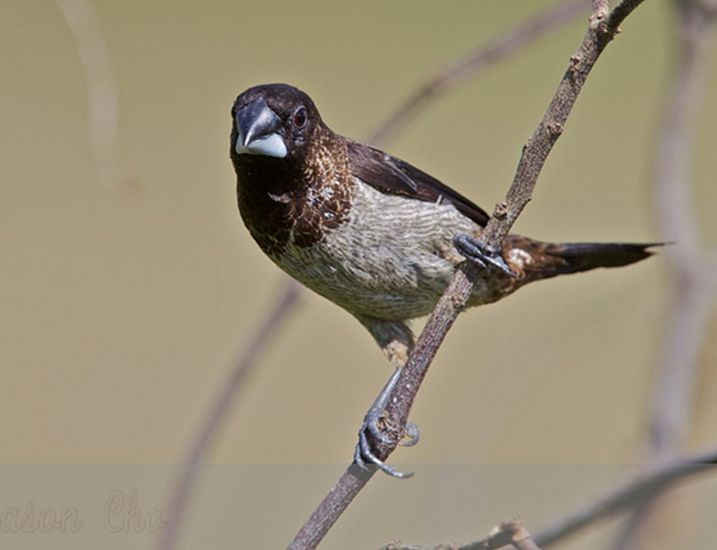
299, 117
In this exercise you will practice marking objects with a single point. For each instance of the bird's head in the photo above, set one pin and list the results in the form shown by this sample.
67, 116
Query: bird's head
276, 121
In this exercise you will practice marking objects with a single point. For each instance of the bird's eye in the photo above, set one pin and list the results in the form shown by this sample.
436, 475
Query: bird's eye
299, 117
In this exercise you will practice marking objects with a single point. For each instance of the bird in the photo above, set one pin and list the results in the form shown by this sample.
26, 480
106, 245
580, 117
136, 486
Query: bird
372, 233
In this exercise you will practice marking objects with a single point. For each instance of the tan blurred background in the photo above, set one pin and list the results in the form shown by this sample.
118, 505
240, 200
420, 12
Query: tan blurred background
122, 312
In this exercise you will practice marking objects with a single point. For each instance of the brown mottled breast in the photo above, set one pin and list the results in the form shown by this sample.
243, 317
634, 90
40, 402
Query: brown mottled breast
298, 202
323, 201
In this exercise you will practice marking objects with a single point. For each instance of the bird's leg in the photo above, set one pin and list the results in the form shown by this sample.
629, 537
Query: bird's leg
477, 252
396, 340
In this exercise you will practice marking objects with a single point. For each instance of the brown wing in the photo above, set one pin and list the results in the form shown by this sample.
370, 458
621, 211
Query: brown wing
394, 176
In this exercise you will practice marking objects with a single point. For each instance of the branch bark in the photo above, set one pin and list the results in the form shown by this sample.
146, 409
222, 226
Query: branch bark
601, 30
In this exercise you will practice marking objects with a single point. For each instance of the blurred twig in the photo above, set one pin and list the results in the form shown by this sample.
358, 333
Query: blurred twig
649, 483
509, 535
102, 94
477, 60
601, 30
653, 481
217, 413
207, 430
693, 266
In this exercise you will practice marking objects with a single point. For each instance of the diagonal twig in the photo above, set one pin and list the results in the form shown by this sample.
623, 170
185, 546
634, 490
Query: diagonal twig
509, 535
200, 444
653, 481
601, 30
649, 483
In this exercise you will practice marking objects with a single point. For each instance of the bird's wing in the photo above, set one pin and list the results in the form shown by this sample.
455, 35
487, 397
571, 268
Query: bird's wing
396, 177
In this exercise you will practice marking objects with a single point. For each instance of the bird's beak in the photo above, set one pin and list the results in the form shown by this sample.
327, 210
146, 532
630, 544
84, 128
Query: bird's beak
256, 126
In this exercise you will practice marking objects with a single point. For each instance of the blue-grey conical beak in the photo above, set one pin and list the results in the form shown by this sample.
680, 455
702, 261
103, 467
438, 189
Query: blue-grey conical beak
257, 127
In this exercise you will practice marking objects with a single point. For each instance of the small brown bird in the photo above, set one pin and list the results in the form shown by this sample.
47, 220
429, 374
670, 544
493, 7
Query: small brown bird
370, 232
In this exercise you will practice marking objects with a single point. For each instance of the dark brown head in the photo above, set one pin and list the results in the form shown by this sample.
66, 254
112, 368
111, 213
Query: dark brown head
292, 172
275, 121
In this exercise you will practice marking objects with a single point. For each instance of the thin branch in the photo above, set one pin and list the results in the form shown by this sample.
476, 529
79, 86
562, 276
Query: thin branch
652, 482
509, 535
456, 295
477, 60
694, 280
506, 213
220, 405
102, 94
694, 271
649, 483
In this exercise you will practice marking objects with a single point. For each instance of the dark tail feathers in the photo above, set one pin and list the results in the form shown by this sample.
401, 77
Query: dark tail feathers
551, 259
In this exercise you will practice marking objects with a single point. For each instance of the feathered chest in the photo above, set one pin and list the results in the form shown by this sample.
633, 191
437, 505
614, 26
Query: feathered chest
392, 256
298, 207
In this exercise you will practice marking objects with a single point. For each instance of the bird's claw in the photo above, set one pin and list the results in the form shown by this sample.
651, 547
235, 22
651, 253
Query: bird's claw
364, 455
480, 254
411, 435
373, 422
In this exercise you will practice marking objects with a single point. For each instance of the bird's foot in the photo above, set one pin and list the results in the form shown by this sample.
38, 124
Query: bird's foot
364, 454
375, 428
482, 255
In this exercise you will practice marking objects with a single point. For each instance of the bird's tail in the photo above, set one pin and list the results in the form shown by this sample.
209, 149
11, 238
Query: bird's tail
550, 259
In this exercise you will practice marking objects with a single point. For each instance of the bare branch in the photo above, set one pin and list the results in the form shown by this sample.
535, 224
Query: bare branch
649, 483
477, 60
541, 142
102, 95
220, 405
509, 535
456, 295
653, 481
331, 507
531, 163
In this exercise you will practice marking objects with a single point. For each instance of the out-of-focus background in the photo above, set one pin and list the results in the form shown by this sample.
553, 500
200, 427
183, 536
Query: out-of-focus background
123, 309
